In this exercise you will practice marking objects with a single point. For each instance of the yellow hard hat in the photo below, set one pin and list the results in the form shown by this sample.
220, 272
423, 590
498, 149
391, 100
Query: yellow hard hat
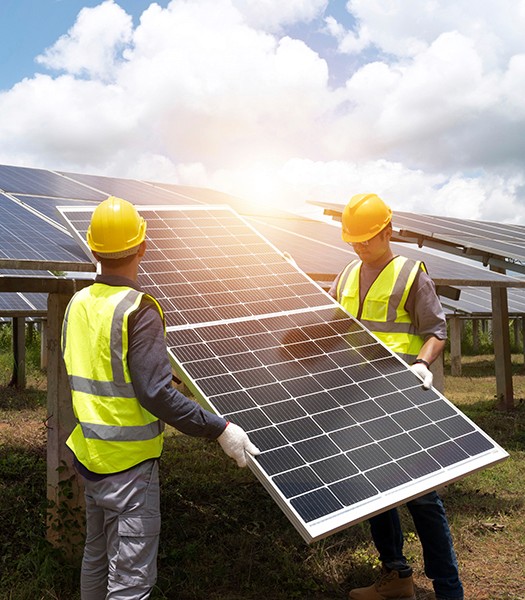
363, 217
116, 228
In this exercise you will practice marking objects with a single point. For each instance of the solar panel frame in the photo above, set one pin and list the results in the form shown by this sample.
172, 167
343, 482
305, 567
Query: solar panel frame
308, 383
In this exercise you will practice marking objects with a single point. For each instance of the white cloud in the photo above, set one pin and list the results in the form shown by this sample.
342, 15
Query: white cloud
272, 15
91, 47
220, 93
405, 28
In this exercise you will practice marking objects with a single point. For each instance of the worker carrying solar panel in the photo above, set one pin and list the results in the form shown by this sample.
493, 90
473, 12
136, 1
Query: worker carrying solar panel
396, 300
113, 343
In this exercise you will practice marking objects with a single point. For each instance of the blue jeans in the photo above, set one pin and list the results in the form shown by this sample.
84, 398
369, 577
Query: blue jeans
433, 530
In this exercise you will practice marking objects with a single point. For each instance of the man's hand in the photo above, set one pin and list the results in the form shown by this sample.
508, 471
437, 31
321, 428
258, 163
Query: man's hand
424, 373
235, 443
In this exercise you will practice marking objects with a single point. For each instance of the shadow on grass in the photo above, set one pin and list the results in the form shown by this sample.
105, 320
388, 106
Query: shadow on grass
479, 505
483, 366
12, 398
29, 566
223, 537
507, 428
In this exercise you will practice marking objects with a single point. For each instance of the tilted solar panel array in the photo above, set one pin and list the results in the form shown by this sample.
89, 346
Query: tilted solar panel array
344, 426
505, 240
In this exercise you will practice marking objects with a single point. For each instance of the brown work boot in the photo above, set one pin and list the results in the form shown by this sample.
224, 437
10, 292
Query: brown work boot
391, 585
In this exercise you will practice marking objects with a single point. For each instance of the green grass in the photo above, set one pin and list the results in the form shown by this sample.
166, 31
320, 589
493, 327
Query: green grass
224, 538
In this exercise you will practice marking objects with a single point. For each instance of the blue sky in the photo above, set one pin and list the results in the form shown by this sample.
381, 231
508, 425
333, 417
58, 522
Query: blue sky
420, 101
28, 27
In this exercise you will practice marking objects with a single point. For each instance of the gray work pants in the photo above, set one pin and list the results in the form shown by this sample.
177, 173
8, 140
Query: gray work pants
122, 535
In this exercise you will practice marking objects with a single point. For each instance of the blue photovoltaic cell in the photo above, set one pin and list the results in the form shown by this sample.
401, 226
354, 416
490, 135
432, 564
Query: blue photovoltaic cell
343, 433
47, 206
137, 192
344, 426
38, 182
215, 268
25, 236
13, 301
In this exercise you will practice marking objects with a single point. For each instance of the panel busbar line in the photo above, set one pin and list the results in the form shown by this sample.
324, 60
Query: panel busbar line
344, 426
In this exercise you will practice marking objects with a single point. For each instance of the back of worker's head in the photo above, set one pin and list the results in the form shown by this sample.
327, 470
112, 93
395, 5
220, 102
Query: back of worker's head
363, 217
116, 229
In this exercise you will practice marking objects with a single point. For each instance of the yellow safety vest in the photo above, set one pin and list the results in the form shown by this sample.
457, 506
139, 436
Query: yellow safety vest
113, 432
383, 308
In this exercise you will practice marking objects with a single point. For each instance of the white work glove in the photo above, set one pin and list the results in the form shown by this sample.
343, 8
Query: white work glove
424, 373
235, 443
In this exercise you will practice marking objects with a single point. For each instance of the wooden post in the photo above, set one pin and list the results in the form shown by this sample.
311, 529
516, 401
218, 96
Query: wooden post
503, 359
65, 517
455, 346
19, 353
523, 336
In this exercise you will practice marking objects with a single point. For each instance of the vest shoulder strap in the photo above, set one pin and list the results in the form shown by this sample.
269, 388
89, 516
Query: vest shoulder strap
344, 277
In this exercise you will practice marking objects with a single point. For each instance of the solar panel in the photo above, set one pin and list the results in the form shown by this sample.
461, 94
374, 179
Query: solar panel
138, 192
26, 302
13, 301
46, 206
216, 267
481, 240
344, 427
478, 301
318, 248
26, 237
38, 182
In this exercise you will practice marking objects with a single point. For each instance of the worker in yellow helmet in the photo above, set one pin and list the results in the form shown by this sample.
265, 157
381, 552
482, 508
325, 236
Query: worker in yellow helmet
113, 343
396, 300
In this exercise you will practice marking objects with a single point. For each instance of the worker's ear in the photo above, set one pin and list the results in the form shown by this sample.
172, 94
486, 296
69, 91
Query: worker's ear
142, 249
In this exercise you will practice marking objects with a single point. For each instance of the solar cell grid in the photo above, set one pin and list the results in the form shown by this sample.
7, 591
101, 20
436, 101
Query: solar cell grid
341, 440
344, 426
13, 301
133, 190
196, 257
38, 182
25, 236
46, 206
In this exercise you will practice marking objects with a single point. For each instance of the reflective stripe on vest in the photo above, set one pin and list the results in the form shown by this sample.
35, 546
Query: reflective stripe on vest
129, 433
113, 432
383, 308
